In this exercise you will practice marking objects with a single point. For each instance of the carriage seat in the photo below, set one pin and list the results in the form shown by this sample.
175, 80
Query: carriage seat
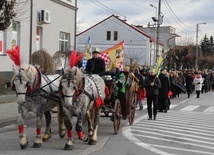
109, 76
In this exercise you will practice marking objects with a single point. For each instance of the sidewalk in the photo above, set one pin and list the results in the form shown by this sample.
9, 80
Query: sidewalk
8, 108
8, 98
8, 111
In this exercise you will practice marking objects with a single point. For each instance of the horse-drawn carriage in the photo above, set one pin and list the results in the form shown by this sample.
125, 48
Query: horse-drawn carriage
119, 105
81, 95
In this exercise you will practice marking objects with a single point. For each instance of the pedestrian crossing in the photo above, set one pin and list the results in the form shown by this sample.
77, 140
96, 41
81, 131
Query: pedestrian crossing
190, 108
186, 131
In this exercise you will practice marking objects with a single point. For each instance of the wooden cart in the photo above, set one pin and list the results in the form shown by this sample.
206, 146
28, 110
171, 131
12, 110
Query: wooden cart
119, 105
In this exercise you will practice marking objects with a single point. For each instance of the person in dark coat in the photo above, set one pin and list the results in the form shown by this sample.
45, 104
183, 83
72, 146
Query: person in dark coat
163, 104
95, 65
189, 82
205, 82
152, 84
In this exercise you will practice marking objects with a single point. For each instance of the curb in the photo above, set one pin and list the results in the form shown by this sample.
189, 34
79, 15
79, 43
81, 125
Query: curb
8, 98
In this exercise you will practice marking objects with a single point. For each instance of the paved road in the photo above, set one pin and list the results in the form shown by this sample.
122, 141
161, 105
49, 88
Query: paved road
187, 128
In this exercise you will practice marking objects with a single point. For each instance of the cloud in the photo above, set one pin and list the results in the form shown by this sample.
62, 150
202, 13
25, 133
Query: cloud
180, 14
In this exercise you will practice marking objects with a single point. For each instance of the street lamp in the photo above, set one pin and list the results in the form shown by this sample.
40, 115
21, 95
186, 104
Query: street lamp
196, 54
155, 20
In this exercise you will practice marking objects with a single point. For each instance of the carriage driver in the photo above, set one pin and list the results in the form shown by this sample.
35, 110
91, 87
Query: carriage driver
95, 65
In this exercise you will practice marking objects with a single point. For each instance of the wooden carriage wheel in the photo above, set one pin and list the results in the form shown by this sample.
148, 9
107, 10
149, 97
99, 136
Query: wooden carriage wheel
132, 110
117, 115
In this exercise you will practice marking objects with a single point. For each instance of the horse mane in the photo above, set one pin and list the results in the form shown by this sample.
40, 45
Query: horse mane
44, 60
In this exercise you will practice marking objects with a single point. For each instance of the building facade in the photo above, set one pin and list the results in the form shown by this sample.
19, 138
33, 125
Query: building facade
112, 30
167, 34
39, 24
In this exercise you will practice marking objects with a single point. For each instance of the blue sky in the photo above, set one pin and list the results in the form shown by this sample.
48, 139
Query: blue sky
183, 15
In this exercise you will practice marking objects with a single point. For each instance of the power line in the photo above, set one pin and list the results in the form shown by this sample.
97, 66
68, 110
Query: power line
176, 15
110, 8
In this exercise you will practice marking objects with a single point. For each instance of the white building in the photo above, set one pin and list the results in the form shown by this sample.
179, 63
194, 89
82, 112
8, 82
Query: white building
52, 26
167, 34
113, 30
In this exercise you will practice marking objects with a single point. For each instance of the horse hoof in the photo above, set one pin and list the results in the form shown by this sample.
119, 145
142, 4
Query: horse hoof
62, 136
85, 139
37, 145
45, 138
68, 147
92, 142
62, 133
24, 146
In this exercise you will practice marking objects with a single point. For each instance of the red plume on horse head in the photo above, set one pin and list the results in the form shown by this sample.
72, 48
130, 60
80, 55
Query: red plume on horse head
74, 58
14, 54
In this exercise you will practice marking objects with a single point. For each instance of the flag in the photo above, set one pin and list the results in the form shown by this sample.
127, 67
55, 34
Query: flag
106, 58
113, 55
87, 53
160, 61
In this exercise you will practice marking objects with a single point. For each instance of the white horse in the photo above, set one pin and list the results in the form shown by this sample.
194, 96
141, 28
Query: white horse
36, 92
82, 95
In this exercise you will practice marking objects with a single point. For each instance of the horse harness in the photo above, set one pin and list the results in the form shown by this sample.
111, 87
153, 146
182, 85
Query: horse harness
81, 87
37, 89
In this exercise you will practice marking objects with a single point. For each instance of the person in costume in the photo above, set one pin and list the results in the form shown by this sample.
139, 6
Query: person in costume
95, 65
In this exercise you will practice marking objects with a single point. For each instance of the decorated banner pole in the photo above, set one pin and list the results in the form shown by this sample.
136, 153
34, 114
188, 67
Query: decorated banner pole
161, 60
87, 53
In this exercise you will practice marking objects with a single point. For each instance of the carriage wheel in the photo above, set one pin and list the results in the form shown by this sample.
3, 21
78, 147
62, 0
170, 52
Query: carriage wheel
117, 115
132, 112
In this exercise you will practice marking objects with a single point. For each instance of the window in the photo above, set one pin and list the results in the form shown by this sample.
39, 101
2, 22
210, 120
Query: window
108, 35
38, 38
115, 35
1, 41
15, 34
64, 41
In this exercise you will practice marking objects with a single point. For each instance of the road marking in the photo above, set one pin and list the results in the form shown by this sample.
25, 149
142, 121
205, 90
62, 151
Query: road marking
96, 147
210, 109
182, 129
178, 149
126, 131
173, 106
190, 108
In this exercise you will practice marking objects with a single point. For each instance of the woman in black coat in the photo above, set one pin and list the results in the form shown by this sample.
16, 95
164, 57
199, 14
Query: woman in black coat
163, 104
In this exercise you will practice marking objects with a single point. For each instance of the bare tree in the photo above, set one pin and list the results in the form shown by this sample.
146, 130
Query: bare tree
7, 13
133, 57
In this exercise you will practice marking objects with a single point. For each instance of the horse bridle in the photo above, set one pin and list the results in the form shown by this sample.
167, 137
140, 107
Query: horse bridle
21, 82
69, 79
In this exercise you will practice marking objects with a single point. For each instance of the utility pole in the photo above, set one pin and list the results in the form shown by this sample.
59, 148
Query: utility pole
158, 30
196, 54
31, 30
155, 31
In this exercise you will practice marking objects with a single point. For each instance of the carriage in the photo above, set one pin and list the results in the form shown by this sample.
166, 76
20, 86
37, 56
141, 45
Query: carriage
118, 105
82, 95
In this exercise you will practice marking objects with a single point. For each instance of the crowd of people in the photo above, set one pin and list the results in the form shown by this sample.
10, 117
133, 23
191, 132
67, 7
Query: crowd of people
173, 83
158, 90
